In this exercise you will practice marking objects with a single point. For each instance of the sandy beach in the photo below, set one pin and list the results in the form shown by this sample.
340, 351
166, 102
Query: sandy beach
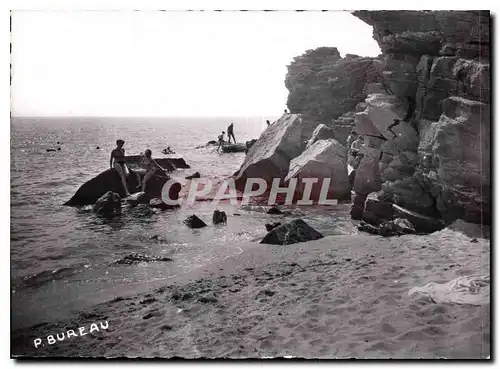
338, 297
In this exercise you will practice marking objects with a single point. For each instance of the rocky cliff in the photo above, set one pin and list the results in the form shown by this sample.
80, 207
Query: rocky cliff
435, 92
324, 87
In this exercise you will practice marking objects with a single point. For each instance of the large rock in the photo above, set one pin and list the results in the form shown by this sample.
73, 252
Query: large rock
323, 159
108, 204
109, 180
270, 156
293, 232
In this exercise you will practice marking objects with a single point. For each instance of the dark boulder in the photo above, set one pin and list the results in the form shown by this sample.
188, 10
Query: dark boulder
109, 180
219, 217
376, 211
396, 227
194, 222
368, 228
293, 232
405, 225
422, 223
108, 204
389, 229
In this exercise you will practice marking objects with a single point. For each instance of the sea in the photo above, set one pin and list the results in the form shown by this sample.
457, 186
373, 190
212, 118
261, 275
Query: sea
63, 259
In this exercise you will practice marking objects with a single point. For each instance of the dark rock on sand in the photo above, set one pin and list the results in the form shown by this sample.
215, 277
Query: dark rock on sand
194, 222
50, 150
271, 226
422, 223
194, 175
376, 211
293, 232
137, 258
365, 227
219, 217
405, 225
389, 229
108, 204
109, 180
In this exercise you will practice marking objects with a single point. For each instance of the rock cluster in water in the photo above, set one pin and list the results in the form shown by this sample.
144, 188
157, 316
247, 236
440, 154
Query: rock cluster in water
109, 180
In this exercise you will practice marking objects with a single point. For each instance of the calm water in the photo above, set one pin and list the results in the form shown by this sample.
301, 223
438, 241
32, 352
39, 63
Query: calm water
62, 258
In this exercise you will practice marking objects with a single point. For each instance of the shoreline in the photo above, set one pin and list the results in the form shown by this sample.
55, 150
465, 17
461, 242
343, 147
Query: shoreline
338, 297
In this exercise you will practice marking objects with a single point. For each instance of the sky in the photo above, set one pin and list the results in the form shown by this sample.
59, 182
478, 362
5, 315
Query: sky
150, 63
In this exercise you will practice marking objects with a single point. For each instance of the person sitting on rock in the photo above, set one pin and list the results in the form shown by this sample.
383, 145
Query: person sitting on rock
268, 123
220, 140
117, 161
151, 167
230, 133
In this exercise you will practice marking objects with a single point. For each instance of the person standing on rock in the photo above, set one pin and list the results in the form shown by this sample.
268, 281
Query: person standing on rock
230, 133
117, 161
220, 140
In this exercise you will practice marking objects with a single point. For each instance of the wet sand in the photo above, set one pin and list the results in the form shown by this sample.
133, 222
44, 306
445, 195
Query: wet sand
338, 297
